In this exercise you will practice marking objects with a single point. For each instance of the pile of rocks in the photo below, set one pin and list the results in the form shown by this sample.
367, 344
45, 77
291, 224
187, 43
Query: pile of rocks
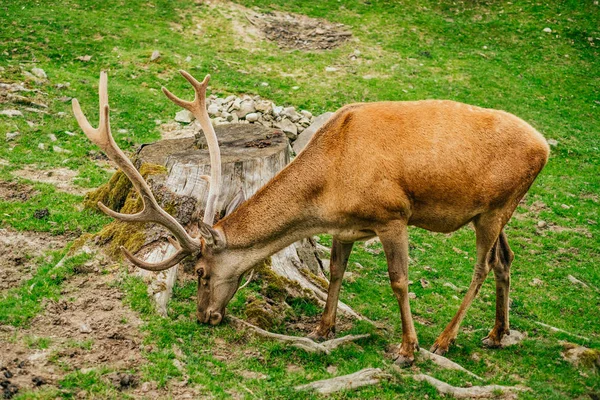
253, 110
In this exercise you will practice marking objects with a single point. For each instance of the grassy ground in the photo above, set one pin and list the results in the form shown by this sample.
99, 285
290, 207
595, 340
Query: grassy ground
488, 53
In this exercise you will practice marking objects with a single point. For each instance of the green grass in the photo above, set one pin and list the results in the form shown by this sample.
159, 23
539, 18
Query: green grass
487, 53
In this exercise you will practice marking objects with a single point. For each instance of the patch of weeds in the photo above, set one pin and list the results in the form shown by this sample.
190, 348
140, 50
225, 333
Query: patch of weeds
37, 342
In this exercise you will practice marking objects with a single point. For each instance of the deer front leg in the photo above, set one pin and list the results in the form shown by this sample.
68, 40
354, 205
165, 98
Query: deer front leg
340, 252
395, 245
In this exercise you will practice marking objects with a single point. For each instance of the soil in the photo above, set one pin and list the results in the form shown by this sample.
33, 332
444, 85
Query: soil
61, 178
289, 31
89, 328
15, 191
19, 251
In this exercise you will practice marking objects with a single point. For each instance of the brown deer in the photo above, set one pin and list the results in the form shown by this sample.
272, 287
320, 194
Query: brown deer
372, 170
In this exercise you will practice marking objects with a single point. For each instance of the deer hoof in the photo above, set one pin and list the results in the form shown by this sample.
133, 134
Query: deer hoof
404, 361
438, 349
491, 342
317, 336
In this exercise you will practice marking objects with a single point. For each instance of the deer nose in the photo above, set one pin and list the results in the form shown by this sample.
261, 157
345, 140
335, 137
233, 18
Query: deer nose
215, 318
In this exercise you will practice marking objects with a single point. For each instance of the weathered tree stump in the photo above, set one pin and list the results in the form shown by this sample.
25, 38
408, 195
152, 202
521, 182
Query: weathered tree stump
251, 156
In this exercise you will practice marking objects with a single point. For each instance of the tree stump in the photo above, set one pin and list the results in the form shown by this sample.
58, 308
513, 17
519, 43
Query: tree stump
251, 155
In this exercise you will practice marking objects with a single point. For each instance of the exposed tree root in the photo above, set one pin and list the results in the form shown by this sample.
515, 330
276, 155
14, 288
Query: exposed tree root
444, 362
303, 343
473, 392
364, 377
555, 329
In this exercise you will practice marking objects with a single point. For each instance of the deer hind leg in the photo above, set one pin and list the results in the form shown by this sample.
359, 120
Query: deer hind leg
500, 258
340, 252
395, 245
487, 228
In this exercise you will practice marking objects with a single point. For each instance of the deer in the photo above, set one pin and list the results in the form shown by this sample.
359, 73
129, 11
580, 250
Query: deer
372, 170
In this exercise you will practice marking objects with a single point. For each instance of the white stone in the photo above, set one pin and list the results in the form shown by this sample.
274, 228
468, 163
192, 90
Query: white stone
289, 128
41, 146
552, 142
330, 69
155, 55
52, 137
252, 117
213, 110
184, 116
547, 30
40, 73
306, 114
12, 135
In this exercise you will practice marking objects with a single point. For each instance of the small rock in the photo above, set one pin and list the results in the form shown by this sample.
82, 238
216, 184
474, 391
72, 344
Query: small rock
513, 338
58, 149
291, 368
547, 30
11, 113
252, 117
289, 128
84, 58
52, 137
40, 73
536, 282
122, 131
330, 69
564, 206
542, 224
306, 114
188, 59
332, 369
264, 84
155, 55
246, 107
184, 116
295, 87
552, 142
452, 286
41, 146
84, 328
7, 374
213, 110
424, 282
412, 295
12, 135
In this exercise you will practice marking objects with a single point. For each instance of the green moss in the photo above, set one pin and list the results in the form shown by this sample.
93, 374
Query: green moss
117, 194
260, 313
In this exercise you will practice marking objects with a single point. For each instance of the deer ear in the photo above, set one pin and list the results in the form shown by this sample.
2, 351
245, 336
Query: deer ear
212, 237
237, 200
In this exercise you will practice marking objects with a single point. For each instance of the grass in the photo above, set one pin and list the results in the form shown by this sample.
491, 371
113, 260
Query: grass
489, 53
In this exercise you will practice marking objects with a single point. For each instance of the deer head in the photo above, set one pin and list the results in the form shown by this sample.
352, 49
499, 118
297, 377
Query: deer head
215, 285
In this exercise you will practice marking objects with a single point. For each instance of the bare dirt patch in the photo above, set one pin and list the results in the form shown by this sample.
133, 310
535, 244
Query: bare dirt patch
61, 178
289, 31
19, 251
87, 329
15, 191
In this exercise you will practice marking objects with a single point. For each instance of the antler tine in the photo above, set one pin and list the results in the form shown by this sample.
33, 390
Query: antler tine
198, 109
151, 212
156, 267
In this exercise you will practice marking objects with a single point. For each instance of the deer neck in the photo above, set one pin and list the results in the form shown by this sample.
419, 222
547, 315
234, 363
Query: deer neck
279, 214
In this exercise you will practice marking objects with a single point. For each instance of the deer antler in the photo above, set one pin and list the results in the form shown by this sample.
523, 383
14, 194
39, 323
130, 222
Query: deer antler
152, 212
198, 108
